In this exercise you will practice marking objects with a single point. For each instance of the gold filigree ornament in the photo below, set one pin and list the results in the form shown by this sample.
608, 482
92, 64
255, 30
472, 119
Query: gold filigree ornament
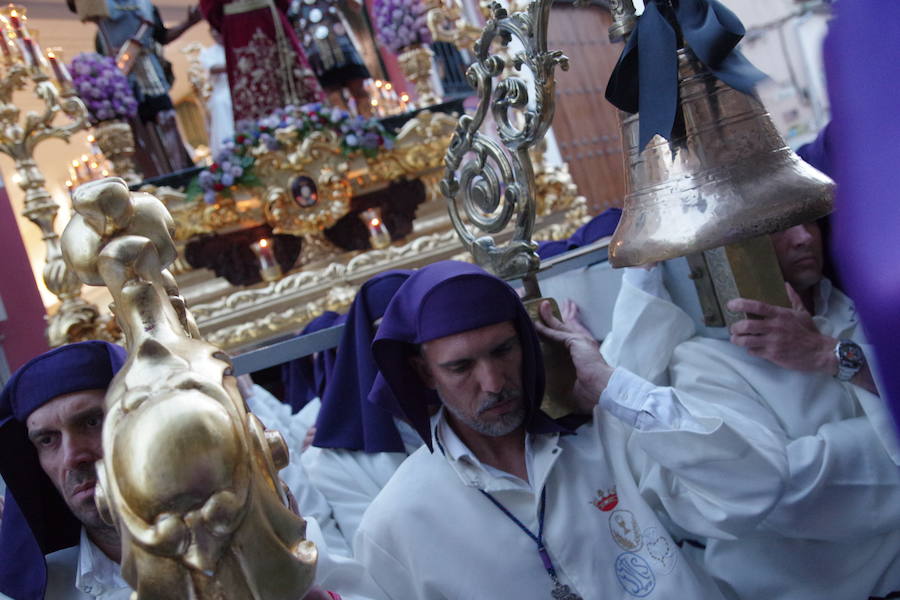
416, 62
307, 181
189, 477
494, 179
447, 23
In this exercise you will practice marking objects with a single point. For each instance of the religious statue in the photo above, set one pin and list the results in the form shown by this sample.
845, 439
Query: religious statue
131, 31
267, 68
332, 50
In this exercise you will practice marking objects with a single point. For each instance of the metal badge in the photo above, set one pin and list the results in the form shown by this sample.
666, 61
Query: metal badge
315, 15
321, 32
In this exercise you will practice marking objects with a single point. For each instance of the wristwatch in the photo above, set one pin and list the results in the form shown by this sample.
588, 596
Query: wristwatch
850, 359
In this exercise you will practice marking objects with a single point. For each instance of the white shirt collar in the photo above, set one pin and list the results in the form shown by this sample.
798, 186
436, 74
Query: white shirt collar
471, 470
97, 574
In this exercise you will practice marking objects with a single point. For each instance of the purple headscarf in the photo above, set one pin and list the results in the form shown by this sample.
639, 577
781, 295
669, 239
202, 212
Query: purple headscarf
444, 299
347, 419
304, 378
600, 226
36, 520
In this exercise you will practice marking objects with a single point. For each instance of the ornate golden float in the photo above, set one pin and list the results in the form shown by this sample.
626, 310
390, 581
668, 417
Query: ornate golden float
326, 277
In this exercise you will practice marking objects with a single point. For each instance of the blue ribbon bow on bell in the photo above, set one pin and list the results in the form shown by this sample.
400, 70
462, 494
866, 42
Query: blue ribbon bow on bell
645, 79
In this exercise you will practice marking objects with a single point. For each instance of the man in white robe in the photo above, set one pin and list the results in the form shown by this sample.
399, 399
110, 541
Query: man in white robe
836, 532
51, 418
504, 502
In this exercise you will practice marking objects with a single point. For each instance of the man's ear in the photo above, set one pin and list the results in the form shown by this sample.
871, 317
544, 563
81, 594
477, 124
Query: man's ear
420, 366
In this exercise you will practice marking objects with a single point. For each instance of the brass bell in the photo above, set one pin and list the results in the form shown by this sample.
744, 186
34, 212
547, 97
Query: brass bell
728, 178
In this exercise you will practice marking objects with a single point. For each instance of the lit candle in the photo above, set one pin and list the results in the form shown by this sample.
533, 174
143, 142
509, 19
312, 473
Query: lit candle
59, 69
379, 236
268, 266
404, 102
15, 21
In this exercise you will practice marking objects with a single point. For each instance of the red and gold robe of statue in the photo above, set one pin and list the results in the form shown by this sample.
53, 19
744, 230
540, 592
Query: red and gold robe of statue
267, 68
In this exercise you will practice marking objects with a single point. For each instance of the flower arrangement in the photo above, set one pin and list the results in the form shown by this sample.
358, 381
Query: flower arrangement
401, 23
233, 164
103, 88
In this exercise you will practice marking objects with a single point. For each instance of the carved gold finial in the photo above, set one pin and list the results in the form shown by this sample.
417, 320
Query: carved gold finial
189, 477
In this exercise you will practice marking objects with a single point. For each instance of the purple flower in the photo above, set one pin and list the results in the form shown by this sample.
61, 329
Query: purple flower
397, 22
103, 88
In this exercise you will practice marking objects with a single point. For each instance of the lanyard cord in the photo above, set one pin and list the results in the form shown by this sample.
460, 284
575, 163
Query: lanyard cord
539, 538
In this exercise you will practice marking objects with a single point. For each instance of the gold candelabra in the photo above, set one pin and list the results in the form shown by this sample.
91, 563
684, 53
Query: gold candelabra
26, 66
447, 23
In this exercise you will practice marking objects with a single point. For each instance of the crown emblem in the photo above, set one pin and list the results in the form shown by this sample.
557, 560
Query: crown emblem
606, 501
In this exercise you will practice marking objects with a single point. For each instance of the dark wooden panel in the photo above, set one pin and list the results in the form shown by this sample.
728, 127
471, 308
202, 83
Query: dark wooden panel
585, 124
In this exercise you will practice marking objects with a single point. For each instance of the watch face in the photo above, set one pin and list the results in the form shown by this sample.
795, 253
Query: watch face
851, 354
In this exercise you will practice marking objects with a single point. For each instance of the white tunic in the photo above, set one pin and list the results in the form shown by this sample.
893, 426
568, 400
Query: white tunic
350, 479
834, 535
646, 326
432, 535
277, 415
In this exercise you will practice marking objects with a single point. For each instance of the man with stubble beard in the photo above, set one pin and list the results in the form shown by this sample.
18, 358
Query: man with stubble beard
504, 502
53, 542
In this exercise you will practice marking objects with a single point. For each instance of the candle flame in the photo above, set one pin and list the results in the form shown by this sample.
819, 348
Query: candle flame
378, 83
375, 222
388, 86
75, 163
374, 102
51, 55
404, 96
263, 243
